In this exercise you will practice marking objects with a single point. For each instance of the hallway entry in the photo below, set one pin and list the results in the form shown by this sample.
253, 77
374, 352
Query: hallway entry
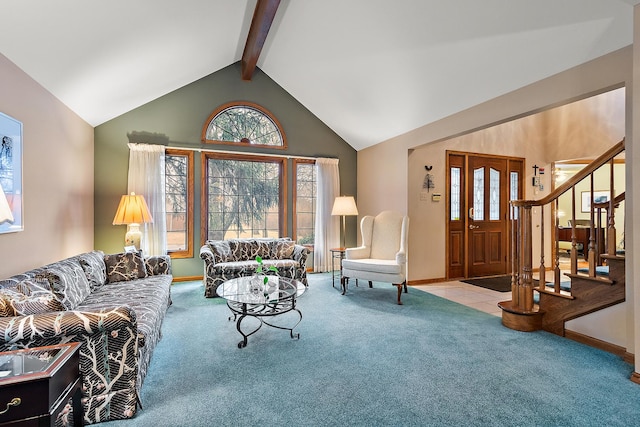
479, 187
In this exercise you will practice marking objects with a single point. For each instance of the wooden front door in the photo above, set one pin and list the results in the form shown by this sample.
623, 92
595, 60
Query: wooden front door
480, 188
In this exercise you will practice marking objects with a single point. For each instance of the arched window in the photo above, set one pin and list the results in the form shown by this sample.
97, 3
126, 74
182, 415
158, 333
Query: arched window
243, 123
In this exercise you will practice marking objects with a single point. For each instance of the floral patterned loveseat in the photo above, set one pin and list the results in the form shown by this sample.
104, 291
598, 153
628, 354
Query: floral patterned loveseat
228, 259
112, 304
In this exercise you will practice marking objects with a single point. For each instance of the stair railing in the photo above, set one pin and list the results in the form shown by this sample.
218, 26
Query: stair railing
522, 285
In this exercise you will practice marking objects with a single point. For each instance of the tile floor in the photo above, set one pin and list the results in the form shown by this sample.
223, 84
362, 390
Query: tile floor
463, 293
474, 296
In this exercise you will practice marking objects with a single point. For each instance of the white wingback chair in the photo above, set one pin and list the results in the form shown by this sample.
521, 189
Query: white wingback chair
382, 257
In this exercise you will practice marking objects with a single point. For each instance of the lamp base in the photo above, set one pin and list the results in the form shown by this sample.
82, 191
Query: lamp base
133, 236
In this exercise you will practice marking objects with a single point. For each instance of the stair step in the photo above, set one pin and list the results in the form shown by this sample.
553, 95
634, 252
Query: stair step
601, 270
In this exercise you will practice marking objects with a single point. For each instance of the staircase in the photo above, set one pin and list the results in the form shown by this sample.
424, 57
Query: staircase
548, 305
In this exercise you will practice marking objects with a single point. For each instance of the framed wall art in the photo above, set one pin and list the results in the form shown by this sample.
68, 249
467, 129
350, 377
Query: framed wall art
598, 197
11, 215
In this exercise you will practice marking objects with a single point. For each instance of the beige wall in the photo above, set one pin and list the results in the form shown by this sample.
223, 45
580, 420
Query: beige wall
386, 179
427, 257
57, 176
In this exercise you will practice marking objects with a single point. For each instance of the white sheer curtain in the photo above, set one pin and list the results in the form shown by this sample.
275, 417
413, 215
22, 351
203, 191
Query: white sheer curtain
146, 177
327, 227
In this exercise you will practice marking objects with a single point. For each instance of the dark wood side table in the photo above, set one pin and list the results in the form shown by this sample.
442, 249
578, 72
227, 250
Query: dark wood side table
336, 254
37, 383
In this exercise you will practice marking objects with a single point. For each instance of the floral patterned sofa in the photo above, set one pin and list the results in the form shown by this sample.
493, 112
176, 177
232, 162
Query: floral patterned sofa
112, 304
228, 259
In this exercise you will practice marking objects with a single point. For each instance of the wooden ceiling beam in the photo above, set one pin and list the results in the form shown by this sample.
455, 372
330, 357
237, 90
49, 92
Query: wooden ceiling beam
260, 24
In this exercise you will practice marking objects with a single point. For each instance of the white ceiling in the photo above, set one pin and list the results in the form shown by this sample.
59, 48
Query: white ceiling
369, 69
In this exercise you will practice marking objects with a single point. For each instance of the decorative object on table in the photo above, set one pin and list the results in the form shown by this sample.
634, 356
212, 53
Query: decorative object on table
10, 174
132, 211
344, 206
260, 282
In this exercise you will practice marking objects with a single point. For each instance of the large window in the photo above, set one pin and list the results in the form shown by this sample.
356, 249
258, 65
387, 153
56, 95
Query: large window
179, 202
305, 201
244, 196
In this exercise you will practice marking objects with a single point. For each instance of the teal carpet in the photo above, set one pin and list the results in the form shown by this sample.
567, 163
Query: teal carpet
362, 360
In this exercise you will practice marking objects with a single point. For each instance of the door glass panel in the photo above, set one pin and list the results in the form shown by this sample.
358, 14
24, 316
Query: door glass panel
494, 195
514, 193
455, 194
478, 194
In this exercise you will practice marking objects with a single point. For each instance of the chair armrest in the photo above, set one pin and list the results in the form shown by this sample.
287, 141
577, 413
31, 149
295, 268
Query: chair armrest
207, 255
401, 257
300, 254
360, 252
159, 264
109, 338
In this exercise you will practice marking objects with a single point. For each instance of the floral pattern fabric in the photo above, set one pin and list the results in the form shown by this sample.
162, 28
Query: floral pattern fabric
125, 266
118, 325
228, 259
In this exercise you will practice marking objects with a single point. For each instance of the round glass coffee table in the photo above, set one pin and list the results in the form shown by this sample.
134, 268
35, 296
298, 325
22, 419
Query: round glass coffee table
246, 298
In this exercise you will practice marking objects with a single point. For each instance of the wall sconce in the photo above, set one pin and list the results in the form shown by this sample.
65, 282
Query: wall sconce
428, 183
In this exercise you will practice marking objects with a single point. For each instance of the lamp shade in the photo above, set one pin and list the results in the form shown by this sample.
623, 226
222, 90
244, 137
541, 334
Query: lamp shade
344, 205
132, 209
5, 209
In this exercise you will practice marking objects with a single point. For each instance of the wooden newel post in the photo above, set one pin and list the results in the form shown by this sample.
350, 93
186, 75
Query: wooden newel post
519, 313
525, 283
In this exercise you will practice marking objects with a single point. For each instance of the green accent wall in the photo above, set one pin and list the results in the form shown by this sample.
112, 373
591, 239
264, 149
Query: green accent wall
177, 119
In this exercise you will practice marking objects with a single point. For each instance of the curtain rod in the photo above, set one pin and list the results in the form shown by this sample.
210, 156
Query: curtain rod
211, 150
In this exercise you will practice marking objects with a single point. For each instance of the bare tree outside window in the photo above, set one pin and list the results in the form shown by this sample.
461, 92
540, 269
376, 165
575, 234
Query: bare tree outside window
178, 202
305, 202
243, 124
243, 198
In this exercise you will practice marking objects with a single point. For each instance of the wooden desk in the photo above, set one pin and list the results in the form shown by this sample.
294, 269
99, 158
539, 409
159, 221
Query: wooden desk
583, 234
37, 383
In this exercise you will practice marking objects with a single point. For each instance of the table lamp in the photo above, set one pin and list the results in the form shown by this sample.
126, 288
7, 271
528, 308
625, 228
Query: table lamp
132, 211
343, 206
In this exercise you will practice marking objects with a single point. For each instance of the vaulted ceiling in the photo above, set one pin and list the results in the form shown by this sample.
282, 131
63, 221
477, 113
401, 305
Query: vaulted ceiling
369, 69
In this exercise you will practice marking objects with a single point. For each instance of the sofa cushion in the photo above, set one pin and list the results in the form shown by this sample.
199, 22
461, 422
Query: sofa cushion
34, 286
220, 250
39, 299
373, 265
27, 305
93, 265
68, 283
282, 248
124, 266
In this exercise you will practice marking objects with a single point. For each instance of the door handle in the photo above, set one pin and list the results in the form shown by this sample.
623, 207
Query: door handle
473, 227
471, 213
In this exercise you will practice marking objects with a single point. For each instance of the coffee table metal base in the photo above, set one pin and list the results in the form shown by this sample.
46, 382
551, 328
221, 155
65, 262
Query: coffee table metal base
260, 312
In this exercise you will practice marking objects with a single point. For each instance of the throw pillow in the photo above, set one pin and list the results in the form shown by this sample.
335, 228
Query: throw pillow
124, 266
93, 265
25, 306
243, 249
263, 248
220, 250
68, 282
15, 303
6, 309
34, 286
282, 249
